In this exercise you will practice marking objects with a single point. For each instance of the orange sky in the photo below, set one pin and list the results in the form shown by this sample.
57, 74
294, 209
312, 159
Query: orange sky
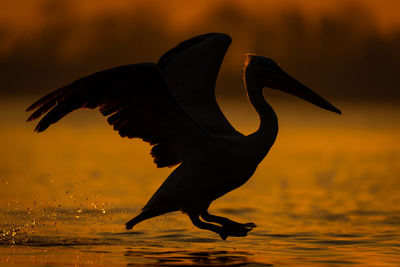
27, 16
344, 32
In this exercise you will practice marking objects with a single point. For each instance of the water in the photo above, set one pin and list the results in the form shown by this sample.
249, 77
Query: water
327, 194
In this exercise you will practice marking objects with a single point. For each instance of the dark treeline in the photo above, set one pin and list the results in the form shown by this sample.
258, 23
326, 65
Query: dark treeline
341, 55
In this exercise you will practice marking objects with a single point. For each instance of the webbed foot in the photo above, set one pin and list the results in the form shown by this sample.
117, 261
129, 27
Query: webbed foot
236, 229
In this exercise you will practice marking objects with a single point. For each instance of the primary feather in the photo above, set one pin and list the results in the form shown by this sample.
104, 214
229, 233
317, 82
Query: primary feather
191, 75
138, 104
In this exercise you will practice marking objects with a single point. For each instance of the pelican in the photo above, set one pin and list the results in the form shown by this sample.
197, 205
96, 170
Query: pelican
171, 104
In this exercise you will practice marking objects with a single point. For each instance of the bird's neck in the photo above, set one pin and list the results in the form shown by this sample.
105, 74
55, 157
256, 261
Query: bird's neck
266, 134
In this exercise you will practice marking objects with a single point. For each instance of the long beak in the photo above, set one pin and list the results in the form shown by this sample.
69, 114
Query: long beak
296, 88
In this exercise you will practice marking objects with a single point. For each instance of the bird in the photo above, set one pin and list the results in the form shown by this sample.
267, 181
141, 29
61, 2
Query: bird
172, 106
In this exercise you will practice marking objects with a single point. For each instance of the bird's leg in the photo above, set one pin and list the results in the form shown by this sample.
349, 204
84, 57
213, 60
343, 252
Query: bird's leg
208, 226
231, 226
224, 221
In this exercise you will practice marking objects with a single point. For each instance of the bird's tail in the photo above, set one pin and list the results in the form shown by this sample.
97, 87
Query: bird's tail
129, 225
144, 215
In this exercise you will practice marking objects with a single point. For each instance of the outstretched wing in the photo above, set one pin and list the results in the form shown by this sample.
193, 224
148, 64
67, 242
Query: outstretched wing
191, 69
138, 103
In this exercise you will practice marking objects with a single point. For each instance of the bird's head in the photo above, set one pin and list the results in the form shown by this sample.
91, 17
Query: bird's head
268, 73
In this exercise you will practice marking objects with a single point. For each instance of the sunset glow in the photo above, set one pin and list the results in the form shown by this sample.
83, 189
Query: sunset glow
327, 193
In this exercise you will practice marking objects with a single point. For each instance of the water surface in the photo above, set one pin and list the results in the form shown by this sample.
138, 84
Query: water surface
327, 194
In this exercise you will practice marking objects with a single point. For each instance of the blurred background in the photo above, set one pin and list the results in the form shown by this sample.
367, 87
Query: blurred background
346, 49
328, 191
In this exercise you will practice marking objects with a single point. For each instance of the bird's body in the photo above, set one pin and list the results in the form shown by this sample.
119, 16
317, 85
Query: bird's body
172, 106
198, 183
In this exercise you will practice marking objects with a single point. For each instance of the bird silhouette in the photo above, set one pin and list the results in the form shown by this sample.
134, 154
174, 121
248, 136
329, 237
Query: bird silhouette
171, 105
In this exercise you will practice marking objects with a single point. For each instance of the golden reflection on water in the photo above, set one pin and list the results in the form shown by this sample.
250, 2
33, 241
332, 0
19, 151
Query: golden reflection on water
328, 193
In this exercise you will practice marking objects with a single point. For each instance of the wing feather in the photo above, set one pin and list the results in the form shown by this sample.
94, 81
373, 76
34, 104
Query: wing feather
138, 104
191, 69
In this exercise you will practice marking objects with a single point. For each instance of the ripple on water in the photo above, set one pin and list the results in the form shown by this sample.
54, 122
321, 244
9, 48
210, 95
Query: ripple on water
209, 257
338, 262
340, 242
238, 211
